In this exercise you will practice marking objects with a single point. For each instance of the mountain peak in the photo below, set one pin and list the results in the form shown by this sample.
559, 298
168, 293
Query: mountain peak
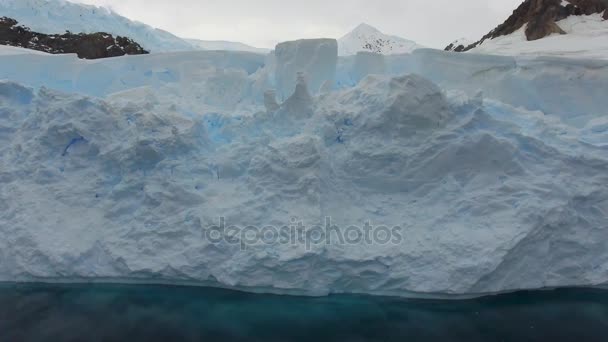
365, 28
366, 38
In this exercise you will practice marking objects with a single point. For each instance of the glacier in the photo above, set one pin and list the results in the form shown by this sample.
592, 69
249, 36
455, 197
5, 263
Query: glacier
57, 16
317, 58
495, 168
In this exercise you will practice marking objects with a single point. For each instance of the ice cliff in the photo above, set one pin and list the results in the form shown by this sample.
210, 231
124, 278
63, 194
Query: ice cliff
317, 58
115, 170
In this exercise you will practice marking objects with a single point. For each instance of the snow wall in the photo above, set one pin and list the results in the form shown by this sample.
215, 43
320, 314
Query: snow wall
120, 170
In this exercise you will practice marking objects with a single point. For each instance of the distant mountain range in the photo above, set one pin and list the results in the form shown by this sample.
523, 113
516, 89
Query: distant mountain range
56, 16
577, 28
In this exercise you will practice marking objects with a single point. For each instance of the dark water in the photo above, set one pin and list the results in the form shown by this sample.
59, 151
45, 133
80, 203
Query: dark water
163, 313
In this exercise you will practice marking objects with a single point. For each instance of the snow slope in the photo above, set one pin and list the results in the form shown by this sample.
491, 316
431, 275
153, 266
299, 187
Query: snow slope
123, 182
13, 50
224, 45
57, 16
369, 39
586, 37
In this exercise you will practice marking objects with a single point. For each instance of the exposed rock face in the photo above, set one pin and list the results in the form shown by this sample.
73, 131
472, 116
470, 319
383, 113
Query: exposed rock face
458, 45
541, 17
455, 48
87, 46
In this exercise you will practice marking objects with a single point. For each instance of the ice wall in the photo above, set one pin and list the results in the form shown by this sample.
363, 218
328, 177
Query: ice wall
567, 88
570, 89
316, 58
106, 76
186, 80
124, 185
367, 63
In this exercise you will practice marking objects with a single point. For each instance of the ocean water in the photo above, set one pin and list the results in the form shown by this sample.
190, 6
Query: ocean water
37, 312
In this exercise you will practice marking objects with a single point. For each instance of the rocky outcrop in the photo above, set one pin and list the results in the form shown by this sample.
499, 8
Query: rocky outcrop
540, 17
458, 45
455, 48
86, 46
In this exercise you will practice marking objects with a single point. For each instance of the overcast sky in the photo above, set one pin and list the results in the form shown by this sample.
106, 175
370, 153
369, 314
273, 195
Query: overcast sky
263, 23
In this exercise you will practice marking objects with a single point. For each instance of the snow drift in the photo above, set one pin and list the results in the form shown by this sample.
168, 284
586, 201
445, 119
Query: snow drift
493, 191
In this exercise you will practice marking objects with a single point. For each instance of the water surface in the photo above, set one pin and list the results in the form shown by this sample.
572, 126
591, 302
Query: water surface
37, 312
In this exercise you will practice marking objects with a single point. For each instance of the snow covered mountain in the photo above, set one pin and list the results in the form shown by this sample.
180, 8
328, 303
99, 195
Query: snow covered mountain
367, 38
575, 28
586, 36
57, 16
119, 170
224, 45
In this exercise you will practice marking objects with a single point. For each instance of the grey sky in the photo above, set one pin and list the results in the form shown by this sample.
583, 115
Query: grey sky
263, 23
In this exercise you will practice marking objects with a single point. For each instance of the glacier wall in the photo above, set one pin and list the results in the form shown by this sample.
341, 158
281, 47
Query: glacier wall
316, 58
106, 76
570, 89
367, 63
118, 176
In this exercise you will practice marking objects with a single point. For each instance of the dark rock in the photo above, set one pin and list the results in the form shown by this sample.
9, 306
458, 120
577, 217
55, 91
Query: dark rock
542, 23
452, 47
588, 7
87, 46
541, 17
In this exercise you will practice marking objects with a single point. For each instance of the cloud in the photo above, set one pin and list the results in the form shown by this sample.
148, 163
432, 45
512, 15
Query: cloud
433, 23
